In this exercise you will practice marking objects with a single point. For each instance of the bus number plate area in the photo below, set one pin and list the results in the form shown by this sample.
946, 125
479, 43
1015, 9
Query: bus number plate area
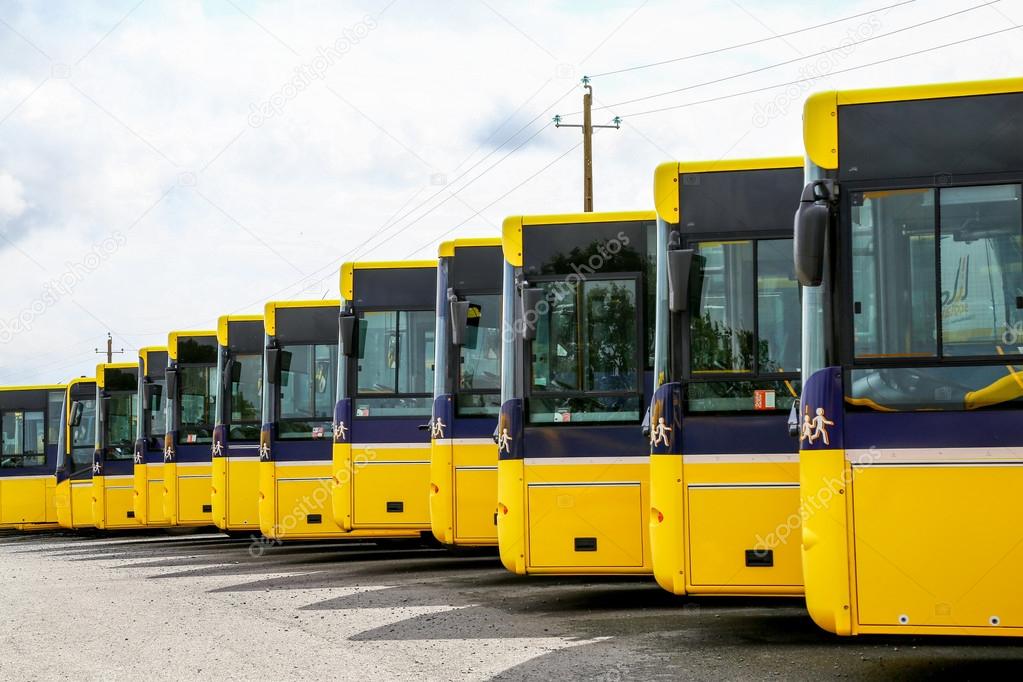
938, 545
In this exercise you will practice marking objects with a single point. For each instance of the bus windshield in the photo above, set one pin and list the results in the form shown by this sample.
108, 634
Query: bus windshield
744, 327
83, 436
121, 424
395, 369
198, 399
157, 415
586, 354
937, 280
307, 390
246, 396
479, 359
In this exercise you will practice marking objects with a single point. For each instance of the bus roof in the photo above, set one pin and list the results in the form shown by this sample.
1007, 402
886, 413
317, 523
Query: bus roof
35, 387
224, 320
820, 112
666, 175
172, 339
348, 271
102, 368
270, 310
511, 229
447, 249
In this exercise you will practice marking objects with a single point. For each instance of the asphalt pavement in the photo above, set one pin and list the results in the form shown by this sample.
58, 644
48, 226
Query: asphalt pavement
203, 606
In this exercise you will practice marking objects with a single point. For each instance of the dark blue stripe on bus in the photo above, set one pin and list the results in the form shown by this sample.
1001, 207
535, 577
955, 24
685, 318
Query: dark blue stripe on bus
192, 452
738, 434
977, 429
154, 456
461, 427
585, 441
390, 430
319, 450
473, 427
118, 467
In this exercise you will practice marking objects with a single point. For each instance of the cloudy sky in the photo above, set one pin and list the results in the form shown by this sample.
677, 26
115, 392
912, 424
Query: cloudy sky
164, 162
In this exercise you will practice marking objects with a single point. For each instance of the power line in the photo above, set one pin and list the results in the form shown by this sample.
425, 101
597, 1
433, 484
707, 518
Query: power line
450, 230
753, 42
829, 74
465, 173
392, 223
793, 61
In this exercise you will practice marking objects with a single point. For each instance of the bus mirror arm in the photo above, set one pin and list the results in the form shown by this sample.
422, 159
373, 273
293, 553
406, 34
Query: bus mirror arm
531, 298
459, 318
813, 217
171, 377
76, 413
273, 362
680, 266
152, 394
346, 334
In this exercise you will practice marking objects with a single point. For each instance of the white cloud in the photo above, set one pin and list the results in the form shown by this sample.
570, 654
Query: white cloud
12, 197
145, 130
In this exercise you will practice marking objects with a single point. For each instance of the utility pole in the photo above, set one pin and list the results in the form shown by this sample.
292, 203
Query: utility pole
587, 128
110, 349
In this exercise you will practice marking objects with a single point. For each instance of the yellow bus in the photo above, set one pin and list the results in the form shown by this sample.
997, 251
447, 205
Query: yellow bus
117, 410
724, 472
240, 340
573, 466
384, 397
30, 417
76, 448
467, 393
191, 378
909, 244
152, 420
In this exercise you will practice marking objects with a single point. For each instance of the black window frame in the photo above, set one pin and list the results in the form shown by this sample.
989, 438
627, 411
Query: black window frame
680, 330
279, 419
842, 293
640, 354
179, 404
353, 373
454, 358
227, 385
35, 455
104, 404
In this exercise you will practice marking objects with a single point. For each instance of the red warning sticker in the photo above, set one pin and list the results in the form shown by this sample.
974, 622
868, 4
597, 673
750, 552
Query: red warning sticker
763, 400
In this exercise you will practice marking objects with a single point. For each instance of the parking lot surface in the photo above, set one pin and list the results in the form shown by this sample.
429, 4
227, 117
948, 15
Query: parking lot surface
203, 606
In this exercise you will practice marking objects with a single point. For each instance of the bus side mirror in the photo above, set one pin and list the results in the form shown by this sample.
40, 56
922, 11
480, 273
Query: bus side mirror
531, 299
346, 333
811, 226
234, 370
273, 363
153, 396
459, 320
172, 382
794, 420
76, 413
680, 266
